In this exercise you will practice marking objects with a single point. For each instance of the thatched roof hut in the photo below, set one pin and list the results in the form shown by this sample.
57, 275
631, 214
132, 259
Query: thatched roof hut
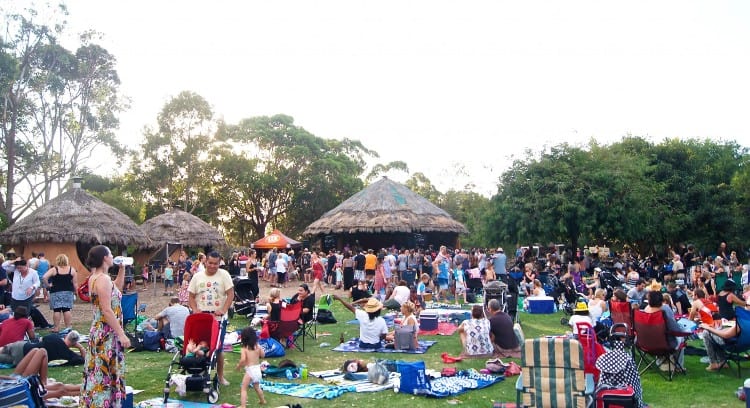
71, 224
386, 213
179, 226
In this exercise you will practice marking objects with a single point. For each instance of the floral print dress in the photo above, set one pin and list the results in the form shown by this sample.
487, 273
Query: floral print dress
103, 381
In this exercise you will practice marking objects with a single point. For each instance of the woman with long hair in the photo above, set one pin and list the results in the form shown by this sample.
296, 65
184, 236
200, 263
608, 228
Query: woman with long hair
103, 381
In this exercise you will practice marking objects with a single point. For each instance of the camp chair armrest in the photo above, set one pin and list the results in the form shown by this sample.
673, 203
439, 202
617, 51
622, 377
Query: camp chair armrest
519, 383
589, 390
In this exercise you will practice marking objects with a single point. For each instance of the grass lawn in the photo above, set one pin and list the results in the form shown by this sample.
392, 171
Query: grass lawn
147, 371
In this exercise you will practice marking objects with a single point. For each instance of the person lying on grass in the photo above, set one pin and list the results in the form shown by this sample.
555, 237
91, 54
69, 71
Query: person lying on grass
35, 363
372, 327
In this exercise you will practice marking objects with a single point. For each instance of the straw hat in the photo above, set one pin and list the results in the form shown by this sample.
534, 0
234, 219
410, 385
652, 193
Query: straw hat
373, 305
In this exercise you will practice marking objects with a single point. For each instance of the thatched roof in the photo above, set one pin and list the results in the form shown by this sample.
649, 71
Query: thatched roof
77, 217
385, 206
177, 225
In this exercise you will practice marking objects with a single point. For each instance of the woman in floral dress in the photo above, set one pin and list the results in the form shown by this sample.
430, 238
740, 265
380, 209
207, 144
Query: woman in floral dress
103, 381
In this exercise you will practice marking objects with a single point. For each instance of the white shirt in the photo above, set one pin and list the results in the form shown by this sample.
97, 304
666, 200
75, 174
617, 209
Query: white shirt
22, 283
401, 294
370, 330
281, 264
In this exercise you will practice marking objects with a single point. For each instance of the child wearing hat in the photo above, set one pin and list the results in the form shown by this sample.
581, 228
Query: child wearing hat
580, 315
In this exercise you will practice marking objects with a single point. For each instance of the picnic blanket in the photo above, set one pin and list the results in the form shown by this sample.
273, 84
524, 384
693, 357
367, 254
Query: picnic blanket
352, 346
314, 391
464, 380
443, 329
336, 377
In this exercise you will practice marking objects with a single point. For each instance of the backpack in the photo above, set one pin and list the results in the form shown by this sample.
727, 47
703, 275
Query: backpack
152, 340
325, 316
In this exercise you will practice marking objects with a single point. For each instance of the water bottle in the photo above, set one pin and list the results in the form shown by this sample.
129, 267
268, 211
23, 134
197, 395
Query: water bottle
304, 371
341, 338
289, 374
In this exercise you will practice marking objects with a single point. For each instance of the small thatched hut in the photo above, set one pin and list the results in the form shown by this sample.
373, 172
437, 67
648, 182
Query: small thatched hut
385, 213
176, 229
71, 224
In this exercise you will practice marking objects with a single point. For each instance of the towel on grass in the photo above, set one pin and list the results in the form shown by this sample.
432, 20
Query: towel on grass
352, 346
444, 329
314, 391
336, 377
463, 381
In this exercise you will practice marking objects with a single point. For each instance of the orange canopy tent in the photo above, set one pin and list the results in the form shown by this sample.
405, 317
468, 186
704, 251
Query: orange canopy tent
275, 240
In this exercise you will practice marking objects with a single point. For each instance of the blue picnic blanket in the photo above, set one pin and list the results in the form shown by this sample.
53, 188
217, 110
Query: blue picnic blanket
314, 391
463, 381
352, 346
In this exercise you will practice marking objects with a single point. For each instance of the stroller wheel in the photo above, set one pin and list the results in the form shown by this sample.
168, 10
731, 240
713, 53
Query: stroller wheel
231, 312
213, 396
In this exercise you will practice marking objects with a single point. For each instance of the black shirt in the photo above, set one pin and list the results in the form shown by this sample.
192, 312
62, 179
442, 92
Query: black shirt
359, 262
358, 294
501, 326
56, 349
308, 303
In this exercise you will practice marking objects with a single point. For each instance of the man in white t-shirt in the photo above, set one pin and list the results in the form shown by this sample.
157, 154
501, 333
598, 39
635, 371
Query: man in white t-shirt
400, 294
212, 291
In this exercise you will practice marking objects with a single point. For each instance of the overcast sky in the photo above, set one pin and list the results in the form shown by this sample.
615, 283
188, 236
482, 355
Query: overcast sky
435, 83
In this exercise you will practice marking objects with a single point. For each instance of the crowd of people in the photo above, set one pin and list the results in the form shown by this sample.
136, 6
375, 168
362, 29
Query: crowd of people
366, 282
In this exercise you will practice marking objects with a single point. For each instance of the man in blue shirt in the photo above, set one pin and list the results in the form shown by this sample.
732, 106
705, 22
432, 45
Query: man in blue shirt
499, 261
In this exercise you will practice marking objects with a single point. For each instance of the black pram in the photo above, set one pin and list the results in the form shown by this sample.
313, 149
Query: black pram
244, 297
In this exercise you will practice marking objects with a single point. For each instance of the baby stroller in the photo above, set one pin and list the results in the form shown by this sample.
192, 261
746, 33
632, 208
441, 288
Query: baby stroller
197, 370
244, 298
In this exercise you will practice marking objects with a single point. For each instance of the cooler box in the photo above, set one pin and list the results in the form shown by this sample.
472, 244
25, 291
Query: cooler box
428, 320
541, 306
616, 398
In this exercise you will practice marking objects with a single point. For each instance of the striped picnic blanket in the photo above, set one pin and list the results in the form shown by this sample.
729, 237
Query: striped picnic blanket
336, 377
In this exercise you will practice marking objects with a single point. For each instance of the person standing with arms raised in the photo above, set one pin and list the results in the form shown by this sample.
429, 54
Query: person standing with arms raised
103, 381
212, 291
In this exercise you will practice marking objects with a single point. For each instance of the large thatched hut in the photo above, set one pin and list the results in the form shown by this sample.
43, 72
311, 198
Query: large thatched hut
177, 229
385, 213
71, 224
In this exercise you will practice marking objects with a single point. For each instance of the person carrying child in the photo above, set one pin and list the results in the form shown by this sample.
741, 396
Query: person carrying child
250, 357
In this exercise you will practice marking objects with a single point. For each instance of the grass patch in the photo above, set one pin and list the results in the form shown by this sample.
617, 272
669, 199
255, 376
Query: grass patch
147, 371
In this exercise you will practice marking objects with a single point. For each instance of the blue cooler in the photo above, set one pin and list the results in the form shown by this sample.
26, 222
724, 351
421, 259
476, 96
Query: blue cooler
541, 306
428, 320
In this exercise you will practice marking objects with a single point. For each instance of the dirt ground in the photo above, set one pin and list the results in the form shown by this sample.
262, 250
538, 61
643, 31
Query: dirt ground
156, 301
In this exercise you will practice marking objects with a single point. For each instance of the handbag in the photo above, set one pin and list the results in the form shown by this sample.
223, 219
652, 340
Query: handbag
413, 377
403, 337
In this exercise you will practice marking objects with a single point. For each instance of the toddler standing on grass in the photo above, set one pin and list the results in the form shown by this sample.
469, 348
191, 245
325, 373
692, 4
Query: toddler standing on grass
252, 352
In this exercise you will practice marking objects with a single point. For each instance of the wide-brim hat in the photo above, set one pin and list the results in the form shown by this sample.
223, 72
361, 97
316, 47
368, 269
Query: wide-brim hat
373, 305
581, 307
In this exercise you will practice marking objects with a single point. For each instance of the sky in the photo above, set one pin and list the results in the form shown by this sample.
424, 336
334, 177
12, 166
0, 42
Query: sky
440, 85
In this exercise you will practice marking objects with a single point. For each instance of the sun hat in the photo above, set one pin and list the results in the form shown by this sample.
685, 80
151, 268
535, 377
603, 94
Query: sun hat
500, 250
373, 305
581, 307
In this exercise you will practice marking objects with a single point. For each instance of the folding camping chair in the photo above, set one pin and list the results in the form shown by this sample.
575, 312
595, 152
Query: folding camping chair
310, 328
287, 329
591, 348
738, 347
621, 314
553, 374
129, 305
652, 344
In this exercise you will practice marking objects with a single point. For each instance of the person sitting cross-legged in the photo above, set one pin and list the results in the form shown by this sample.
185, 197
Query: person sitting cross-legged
501, 331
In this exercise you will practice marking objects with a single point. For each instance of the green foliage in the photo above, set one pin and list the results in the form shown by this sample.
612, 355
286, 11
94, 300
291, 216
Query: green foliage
632, 192
284, 175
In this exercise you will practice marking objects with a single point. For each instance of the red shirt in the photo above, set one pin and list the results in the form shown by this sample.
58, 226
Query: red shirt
13, 330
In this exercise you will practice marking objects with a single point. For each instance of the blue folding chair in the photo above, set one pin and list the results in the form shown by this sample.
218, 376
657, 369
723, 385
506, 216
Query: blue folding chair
129, 304
738, 347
